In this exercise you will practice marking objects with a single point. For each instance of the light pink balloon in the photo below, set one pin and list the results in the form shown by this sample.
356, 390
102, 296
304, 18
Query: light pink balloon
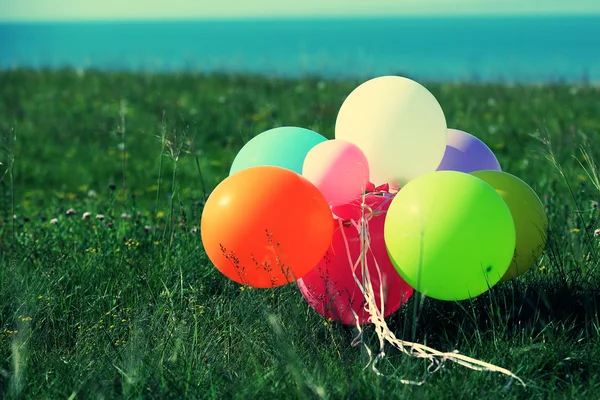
330, 288
339, 169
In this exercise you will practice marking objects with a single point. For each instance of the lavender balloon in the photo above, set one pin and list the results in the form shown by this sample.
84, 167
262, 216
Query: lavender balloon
466, 153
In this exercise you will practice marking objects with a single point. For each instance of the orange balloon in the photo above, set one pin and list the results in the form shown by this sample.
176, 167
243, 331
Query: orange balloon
266, 226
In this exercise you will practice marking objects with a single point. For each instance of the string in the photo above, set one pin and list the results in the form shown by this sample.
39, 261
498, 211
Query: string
436, 358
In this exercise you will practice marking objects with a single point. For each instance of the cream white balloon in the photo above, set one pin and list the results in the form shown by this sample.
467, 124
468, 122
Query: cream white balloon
398, 124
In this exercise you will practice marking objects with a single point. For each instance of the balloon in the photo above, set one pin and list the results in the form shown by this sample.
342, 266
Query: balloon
266, 226
466, 153
528, 214
339, 169
450, 235
398, 124
283, 147
330, 288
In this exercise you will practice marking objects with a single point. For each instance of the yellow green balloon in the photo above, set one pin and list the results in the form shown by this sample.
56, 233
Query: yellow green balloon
528, 214
450, 235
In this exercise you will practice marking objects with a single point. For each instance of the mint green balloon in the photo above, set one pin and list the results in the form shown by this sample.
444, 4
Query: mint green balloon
284, 147
450, 235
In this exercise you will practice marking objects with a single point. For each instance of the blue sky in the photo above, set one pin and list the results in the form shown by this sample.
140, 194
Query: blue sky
15, 10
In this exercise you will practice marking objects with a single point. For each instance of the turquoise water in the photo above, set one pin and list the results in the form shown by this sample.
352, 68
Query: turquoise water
440, 49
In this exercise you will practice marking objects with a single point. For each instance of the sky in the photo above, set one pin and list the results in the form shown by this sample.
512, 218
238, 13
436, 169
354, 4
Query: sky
31, 10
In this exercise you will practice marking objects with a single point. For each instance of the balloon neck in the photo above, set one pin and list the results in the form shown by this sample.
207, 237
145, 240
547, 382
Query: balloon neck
371, 188
367, 212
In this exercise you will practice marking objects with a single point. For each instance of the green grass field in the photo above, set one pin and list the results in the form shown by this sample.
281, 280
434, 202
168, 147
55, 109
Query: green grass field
130, 306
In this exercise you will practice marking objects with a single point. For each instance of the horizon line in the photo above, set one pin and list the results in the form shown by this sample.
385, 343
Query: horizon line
302, 17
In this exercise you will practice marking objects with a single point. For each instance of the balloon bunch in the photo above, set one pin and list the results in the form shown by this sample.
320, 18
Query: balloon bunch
397, 202
443, 218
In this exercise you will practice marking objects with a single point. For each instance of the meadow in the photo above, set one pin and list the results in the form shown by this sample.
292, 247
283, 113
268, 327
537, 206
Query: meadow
105, 291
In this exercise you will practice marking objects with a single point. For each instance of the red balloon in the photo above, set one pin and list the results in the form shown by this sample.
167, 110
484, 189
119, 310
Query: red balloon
330, 287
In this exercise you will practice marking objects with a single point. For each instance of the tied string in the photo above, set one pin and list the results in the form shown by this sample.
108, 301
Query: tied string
384, 334
383, 190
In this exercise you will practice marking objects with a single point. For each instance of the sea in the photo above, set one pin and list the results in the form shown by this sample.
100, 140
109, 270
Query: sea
444, 49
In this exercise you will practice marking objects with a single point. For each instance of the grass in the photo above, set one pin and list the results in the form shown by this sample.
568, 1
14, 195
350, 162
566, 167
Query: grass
130, 306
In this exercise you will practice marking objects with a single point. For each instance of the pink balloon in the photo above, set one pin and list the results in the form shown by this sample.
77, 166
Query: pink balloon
339, 169
330, 288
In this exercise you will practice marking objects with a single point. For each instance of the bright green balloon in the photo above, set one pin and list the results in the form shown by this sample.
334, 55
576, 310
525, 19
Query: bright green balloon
450, 235
528, 213
284, 147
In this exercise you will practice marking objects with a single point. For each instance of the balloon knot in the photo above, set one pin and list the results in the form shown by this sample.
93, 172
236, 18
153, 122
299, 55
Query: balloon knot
371, 188
383, 188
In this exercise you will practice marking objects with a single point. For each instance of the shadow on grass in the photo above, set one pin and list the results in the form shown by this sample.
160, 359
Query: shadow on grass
511, 310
